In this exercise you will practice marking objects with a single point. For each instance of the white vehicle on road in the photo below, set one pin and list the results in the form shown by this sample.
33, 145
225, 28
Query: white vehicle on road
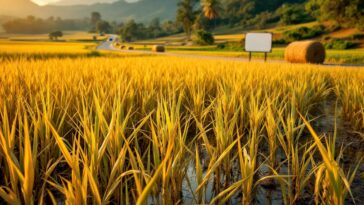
108, 44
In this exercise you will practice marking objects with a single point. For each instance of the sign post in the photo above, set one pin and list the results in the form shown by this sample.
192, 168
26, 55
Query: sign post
258, 43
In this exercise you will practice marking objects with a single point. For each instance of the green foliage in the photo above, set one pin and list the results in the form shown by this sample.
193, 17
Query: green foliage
132, 30
221, 46
293, 14
241, 12
154, 28
238, 12
55, 35
95, 17
186, 16
33, 25
203, 23
358, 36
103, 27
204, 38
231, 46
280, 41
303, 33
263, 19
344, 12
339, 44
129, 31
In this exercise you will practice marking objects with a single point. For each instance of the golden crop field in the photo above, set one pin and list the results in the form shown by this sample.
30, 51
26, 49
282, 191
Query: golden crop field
138, 129
67, 35
30, 50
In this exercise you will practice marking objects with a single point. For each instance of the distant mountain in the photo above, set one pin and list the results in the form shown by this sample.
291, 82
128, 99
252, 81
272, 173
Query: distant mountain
17, 7
143, 10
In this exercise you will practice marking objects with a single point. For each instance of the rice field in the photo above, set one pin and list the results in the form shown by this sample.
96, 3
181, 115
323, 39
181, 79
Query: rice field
67, 36
144, 129
31, 50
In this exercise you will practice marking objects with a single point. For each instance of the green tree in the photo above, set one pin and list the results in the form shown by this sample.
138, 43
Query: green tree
171, 27
344, 12
204, 38
186, 16
95, 17
55, 35
103, 27
154, 28
293, 14
238, 10
129, 31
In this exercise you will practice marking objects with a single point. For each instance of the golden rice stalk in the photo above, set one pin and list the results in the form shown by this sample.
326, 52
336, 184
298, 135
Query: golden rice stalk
28, 166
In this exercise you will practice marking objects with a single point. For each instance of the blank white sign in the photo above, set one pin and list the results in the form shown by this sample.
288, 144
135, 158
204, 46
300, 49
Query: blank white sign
258, 42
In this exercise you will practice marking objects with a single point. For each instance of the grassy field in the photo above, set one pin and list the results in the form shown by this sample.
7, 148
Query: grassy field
145, 129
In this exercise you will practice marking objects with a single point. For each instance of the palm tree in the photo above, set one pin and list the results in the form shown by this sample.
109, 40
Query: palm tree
211, 8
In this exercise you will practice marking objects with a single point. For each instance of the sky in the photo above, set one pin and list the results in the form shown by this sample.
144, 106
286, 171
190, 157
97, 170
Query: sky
72, 2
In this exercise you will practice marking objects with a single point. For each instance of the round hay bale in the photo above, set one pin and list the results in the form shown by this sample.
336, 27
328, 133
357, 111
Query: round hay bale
305, 52
122, 47
130, 48
116, 45
158, 48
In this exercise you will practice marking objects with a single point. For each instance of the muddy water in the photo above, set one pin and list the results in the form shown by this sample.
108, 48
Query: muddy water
348, 140
272, 195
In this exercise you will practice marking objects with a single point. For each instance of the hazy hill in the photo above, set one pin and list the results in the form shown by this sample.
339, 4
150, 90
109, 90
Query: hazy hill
17, 7
144, 10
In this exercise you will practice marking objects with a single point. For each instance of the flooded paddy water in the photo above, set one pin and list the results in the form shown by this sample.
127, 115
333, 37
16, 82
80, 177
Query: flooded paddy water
269, 192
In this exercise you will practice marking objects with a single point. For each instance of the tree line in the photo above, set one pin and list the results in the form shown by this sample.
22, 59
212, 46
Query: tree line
34, 25
132, 30
129, 30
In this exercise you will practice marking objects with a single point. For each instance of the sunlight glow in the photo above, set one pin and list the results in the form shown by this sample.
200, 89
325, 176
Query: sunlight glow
67, 2
44, 2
